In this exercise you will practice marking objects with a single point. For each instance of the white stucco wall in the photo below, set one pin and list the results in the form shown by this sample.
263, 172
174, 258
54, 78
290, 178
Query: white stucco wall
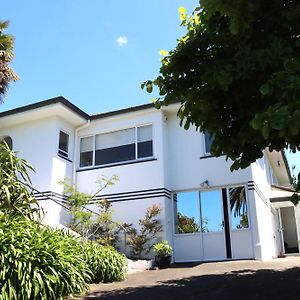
37, 143
133, 177
186, 169
62, 168
131, 212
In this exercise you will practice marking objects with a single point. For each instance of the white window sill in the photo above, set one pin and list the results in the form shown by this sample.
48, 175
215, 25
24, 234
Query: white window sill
130, 162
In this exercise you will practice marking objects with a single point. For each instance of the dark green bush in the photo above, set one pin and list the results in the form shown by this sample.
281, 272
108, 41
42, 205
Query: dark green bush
39, 262
105, 263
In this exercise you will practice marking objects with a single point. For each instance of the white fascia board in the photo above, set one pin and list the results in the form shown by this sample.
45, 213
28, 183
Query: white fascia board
56, 109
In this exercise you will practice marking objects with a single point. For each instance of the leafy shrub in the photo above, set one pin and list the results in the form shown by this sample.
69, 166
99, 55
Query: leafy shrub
16, 197
141, 241
105, 263
163, 248
39, 262
95, 225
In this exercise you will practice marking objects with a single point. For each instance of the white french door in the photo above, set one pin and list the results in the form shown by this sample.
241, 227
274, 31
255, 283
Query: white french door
212, 225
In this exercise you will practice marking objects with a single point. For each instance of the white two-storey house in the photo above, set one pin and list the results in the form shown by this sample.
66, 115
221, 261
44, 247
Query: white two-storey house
208, 212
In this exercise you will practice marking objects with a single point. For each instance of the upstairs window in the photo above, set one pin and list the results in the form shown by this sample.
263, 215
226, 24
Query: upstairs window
86, 151
63, 146
117, 146
144, 141
208, 139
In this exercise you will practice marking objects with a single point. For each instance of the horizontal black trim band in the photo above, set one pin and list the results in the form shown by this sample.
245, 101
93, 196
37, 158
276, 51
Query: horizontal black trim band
139, 198
116, 164
63, 157
126, 196
135, 196
135, 192
252, 186
206, 156
114, 200
131, 193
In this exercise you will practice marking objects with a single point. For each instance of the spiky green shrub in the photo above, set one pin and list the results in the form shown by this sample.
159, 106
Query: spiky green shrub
16, 197
105, 263
39, 262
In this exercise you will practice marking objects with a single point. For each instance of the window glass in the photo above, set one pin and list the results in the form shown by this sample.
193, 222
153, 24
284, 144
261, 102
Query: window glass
211, 211
86, 151
144, 139
187, 212
115, 146
63, 143
238, 208
208, 141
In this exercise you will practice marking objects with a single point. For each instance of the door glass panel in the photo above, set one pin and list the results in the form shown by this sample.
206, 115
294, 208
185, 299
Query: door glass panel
238, 208
187, 213
211, 211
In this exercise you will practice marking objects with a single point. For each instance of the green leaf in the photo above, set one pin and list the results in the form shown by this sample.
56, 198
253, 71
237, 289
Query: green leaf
157, 104
265, 131
149, 87
265, 89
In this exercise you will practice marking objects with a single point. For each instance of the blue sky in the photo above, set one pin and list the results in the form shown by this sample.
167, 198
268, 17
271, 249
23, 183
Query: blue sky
94, 53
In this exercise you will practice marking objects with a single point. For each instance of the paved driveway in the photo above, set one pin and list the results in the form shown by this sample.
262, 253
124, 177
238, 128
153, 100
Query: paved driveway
276, 280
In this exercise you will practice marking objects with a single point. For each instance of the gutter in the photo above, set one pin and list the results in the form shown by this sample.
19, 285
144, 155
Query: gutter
75, 152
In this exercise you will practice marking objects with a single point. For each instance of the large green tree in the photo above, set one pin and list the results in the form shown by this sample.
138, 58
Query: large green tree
7, 75
236, 73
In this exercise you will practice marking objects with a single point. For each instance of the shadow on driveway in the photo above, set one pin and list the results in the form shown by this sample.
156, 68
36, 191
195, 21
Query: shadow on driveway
244, 284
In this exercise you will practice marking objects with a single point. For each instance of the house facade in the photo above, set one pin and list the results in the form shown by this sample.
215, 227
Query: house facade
208, 212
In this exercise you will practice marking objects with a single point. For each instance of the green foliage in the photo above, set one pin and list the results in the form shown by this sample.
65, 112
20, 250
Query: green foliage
16, 197
105, 263
6, 55
238, 203
236, 73
97, 226
187, 224
163, 248
141, 241
39, 262
296, 185
244, 222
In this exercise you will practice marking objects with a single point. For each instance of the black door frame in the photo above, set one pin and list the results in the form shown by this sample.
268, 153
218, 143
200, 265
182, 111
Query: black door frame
226, 223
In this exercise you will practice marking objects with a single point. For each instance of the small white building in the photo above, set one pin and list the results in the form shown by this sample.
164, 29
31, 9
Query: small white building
208, 212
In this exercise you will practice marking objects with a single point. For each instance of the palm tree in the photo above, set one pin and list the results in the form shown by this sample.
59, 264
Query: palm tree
238, 202
6, 55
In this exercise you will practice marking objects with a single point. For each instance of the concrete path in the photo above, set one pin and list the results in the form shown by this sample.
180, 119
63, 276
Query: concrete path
275, 280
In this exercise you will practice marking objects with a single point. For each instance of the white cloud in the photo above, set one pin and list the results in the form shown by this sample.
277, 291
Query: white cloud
122, 40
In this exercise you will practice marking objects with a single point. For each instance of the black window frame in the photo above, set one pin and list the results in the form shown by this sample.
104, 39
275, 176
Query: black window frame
206, 136
61, 151
136, 146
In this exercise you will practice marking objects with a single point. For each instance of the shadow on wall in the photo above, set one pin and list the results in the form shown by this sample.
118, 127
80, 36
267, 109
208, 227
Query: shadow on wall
239, 285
